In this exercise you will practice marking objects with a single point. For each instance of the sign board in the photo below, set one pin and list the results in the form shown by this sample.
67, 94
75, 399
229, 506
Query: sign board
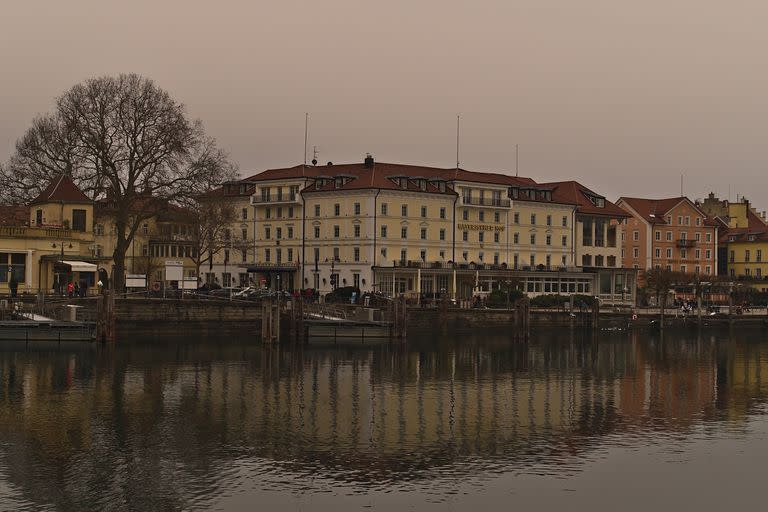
174, 270
135, 281
189, 283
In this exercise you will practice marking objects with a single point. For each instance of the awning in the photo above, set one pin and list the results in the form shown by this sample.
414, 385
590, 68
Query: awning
80, 266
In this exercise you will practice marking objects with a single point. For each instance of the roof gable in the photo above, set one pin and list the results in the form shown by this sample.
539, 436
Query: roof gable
61, 190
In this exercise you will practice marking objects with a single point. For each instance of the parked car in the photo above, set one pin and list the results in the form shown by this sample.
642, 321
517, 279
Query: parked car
224, 292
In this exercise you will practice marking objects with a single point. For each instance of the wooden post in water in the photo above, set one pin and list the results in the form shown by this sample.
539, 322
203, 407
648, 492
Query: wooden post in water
596, 315
270, 322
105, 317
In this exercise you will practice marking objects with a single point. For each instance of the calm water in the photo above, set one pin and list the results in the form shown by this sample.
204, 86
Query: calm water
621, 422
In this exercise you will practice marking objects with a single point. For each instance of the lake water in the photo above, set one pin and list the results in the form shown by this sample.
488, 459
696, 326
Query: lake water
621, 421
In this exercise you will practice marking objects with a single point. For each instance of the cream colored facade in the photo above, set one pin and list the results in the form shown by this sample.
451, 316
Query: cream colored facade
425, 234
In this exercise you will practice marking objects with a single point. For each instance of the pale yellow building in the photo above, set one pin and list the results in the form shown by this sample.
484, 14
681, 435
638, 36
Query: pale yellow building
50, 242
417, 230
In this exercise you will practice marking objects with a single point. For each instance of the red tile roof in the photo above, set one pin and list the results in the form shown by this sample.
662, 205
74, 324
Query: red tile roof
573, 192
756, 227
61, 189
655, 211
13, 215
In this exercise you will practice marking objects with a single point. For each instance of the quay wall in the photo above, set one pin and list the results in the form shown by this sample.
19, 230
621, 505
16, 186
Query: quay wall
223, 317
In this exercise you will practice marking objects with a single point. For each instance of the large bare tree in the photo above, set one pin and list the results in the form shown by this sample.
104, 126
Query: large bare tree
121, 139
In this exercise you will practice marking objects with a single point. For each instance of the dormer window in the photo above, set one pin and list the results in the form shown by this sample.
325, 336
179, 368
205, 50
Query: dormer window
751, 238
731, 238
514, 192
422, 185
338, 182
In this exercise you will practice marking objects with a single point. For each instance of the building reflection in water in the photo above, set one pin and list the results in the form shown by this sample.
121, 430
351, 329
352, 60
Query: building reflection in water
154, 426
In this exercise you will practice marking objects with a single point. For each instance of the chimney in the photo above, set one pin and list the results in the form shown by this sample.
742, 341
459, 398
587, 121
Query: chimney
368, 162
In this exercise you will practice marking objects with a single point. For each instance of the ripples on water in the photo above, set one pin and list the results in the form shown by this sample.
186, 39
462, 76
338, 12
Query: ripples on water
461, 422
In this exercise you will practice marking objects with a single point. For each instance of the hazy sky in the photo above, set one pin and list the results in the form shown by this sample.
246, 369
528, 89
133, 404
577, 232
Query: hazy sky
623, 96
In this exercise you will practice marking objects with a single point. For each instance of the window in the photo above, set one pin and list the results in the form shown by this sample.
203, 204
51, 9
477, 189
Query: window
683, 269
481, 236
317, 231
442, 234
423, 212
708, 254
290, 212
383, 231
636, 235
357, 230
404, 232
383, 208
481, 215
244, 214
290, 231
442, 254
278, 233
683, 236
423, 233
679, 220
669, 236
657, 235
732, 256
515, 261
290, 255
586, 232
549, 220
403, 254
759, 255
357, 208
268, 213
336, 231
244, 233
336, 254
533, 219
383, 252
336, 210
317, 210
516, 218
495, 258
356, 254
747, 255
549, 239
266, 256
442, 213
565, 240
356, 280
708, 237
480, 256
465, 255
687, 220
78, 220
496, 217
533, 238
669, 252
698, 221
635, 252
404, 210
267, 233
423, 255
697, 236
708, 269
516, 238
465, 215
465, 236
317, 253
496, 237
13, 265
565, 221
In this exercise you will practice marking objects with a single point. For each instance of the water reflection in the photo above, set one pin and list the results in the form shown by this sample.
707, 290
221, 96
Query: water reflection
170, 426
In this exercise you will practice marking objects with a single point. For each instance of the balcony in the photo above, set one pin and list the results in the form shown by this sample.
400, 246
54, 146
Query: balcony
54, 233
488, 202
274, 199
685, 243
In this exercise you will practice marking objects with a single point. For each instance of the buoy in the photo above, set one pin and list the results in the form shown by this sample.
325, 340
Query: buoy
156, 286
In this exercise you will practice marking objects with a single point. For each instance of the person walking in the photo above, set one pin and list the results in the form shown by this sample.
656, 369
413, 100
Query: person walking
70, 289
13, 285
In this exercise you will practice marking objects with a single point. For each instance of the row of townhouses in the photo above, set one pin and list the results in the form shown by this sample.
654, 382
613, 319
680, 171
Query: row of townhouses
395, 229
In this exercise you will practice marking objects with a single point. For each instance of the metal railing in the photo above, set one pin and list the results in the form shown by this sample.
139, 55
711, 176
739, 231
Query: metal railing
486, 201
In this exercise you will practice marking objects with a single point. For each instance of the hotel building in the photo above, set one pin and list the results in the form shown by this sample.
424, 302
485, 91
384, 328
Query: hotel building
398, 228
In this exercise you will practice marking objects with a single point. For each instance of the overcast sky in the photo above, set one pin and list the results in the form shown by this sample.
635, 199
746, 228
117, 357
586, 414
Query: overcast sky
622, 96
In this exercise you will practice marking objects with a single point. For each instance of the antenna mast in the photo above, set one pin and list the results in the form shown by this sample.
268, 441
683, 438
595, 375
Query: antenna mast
517, 168
458, 119
681, 183
306, 131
